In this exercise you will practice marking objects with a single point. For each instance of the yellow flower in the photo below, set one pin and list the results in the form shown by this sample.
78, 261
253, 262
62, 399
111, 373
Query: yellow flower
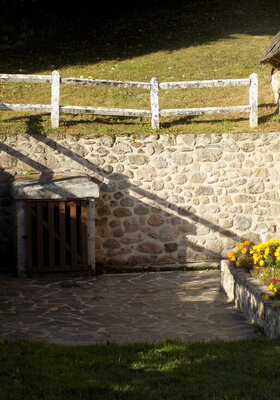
277, 253
266, 297
262, 263
266, 252
233, 258
273, 241
272, 288
244, 250
243, 244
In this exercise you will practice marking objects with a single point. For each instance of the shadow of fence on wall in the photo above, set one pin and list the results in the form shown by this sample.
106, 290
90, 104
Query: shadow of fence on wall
133, 225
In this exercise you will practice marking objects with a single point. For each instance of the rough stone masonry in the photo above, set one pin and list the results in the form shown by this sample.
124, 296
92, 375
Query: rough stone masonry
164, 199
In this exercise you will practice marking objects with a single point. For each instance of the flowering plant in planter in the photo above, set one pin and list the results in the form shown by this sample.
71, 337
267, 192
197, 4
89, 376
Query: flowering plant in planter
267, 254
263, 260
242, 255
275, 286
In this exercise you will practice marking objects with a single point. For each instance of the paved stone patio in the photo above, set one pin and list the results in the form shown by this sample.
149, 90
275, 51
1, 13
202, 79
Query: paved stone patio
120, 308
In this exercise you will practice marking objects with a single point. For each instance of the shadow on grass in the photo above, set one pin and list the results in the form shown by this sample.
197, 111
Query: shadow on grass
172, 370
34, 122
106, 121
192, 119
266, 118
138, 30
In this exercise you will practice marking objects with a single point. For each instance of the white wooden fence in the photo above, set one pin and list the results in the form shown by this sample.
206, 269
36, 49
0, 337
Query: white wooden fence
55, 109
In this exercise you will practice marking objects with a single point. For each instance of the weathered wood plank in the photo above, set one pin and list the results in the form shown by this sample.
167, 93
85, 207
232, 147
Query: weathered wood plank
29, 236
55, 99
253, 100
105, 82
73, 232
126, 112
204, 110
84, 232
204, 84
40, 236
25, 78
25, 107
91, 235
51, 235
154, 103
62, 237
21, 237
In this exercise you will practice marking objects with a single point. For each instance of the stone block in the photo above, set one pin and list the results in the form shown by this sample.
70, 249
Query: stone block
138, 159
170, 247
255, 186
209, 155
122, 212
112, 244
242, 223
147, 173
204, 191
121, 148
127, 202
141, 210
149, 247
156, 220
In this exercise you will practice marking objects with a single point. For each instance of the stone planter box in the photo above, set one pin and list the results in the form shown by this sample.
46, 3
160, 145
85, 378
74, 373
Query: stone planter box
247, 294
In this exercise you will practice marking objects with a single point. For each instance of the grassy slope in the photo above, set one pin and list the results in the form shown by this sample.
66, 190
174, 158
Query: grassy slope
170, 370
203, 40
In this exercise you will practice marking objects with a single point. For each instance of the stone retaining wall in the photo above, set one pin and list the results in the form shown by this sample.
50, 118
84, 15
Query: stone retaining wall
164, 199
247, 294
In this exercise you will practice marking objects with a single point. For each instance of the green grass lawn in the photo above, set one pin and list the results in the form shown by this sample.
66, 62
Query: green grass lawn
203, 40
247, 369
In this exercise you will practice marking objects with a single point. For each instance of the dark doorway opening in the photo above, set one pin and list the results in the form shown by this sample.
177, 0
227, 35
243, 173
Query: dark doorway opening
57, 235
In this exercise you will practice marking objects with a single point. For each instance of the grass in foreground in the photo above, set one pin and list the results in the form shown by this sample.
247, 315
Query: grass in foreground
246, 369
172, 43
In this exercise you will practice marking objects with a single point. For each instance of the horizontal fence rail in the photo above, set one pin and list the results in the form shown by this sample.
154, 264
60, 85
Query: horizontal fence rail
55, 109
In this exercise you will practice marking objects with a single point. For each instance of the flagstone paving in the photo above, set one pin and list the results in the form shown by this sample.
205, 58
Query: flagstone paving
121, 308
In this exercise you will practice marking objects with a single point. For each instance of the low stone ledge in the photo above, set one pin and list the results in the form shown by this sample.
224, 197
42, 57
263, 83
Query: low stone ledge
188, 266
247, 293
60, 188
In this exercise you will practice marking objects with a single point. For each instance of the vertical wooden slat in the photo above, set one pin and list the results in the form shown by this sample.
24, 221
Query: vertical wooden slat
73, 228
51, 234
84, 218
91, 235
29, 233
40, 236
21, 245
62, 238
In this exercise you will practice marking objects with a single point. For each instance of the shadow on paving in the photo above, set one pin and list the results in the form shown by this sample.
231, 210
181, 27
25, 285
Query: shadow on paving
135, 307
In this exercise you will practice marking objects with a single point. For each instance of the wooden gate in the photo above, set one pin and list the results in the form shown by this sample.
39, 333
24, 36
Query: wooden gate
57, 233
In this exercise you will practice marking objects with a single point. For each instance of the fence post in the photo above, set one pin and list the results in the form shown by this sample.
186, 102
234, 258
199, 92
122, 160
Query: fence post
154, 104
55, 99
253, 100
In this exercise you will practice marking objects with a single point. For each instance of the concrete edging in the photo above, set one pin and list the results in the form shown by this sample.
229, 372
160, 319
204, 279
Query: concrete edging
247, 293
